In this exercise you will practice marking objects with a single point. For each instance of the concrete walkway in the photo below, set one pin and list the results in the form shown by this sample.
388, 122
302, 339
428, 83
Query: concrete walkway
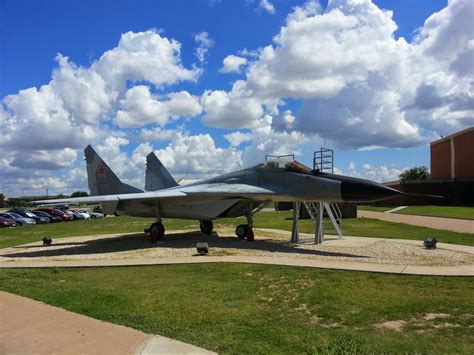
32, 327
452, 224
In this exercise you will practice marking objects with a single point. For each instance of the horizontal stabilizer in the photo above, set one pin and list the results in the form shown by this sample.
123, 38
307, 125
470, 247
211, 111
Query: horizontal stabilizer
102, 180
157, 177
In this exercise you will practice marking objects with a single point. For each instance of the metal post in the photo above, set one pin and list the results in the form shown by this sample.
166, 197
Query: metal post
295, 234
319, 232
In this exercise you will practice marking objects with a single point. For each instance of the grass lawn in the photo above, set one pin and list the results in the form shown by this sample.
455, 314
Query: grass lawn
440, 211
233, 308
278, 220
374, 208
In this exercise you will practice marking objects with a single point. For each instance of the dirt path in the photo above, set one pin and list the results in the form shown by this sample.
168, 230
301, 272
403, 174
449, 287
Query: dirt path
452, 224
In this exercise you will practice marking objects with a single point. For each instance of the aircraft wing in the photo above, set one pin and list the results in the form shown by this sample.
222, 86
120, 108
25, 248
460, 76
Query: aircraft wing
199, 191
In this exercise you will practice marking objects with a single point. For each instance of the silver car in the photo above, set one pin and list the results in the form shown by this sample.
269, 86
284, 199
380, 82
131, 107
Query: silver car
19, 220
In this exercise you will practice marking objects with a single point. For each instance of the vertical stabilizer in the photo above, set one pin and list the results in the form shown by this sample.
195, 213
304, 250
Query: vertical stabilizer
102, 180
157, 177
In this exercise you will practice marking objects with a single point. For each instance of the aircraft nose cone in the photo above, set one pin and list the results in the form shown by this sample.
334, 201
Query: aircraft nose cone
366, 191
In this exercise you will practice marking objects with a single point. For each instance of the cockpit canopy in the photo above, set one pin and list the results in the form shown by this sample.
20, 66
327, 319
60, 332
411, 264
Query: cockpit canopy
287, 165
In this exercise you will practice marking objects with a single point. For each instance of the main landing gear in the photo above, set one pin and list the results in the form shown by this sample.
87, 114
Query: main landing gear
206, 227
157, 232
246, 230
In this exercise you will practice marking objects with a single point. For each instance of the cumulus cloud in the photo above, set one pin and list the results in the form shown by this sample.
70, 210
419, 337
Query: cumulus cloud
234, 109
204, 44
140, 107
143, 56
158, 134
237, 138
267, 6
198, 154
354, 82
46, 128
232, 63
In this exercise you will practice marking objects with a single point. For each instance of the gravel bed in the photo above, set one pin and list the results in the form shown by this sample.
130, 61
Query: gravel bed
183, 244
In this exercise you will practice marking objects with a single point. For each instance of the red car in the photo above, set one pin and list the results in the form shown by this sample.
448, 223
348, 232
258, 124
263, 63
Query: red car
54, 212
6, 222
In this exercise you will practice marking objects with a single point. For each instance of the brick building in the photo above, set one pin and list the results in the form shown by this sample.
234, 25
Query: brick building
452, 174
452, 157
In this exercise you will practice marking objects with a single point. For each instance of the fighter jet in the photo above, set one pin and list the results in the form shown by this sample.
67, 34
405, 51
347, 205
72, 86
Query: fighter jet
240, 193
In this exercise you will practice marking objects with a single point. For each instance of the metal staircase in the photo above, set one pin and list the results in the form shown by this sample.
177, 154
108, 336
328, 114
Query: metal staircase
323, 161
316, 211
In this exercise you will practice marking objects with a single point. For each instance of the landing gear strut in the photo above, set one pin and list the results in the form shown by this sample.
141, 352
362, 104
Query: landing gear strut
206, 227
157, 232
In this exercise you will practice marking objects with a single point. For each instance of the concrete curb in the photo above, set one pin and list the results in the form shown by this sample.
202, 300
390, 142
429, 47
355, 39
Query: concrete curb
337, 265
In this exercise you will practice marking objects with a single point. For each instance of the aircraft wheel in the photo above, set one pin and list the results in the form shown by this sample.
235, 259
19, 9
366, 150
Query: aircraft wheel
250, 236
206, 227
157, 232
242, 230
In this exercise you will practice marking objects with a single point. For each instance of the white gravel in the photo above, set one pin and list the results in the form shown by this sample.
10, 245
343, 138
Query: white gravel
183, 244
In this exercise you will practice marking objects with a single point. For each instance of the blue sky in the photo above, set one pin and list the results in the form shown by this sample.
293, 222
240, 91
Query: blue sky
34, 32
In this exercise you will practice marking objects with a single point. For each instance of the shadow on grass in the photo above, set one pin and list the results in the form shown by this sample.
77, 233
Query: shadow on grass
141, 241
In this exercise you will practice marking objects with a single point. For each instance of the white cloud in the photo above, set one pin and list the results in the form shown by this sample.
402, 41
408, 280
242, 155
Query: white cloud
157, 134
267, 6
84, 93
355, 82
235, 109
237, 138
140, 107
45, 128
204, 44
143, 56
198, 155
265, 140
380, 173
232, 63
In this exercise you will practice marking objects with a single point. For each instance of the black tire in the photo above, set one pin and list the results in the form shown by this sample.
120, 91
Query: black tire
93, 217
241, 230
157, 232
19, 224
206, 227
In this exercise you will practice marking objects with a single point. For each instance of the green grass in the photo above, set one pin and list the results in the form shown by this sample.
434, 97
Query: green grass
262, 309
374, 208
364, 227
440, 211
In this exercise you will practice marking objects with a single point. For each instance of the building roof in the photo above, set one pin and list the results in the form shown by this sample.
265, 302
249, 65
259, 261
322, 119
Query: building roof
453, 135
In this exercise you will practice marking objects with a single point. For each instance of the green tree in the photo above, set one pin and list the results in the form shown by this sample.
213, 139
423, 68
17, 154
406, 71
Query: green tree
79, 194
416, 173
2, 199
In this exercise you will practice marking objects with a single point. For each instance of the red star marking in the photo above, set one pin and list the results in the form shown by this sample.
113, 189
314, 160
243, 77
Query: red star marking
102, 169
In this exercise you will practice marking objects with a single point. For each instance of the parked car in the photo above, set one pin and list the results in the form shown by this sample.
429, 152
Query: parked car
84, 214
75, 216
19, 220
52, 219
54, 212
94, 214
7, 222
28, 214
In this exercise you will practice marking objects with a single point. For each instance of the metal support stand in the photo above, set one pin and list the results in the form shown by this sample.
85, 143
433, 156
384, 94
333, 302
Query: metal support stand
295, 234
319, 232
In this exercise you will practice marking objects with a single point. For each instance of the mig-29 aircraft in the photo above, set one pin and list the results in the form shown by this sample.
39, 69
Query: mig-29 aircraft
231, 195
